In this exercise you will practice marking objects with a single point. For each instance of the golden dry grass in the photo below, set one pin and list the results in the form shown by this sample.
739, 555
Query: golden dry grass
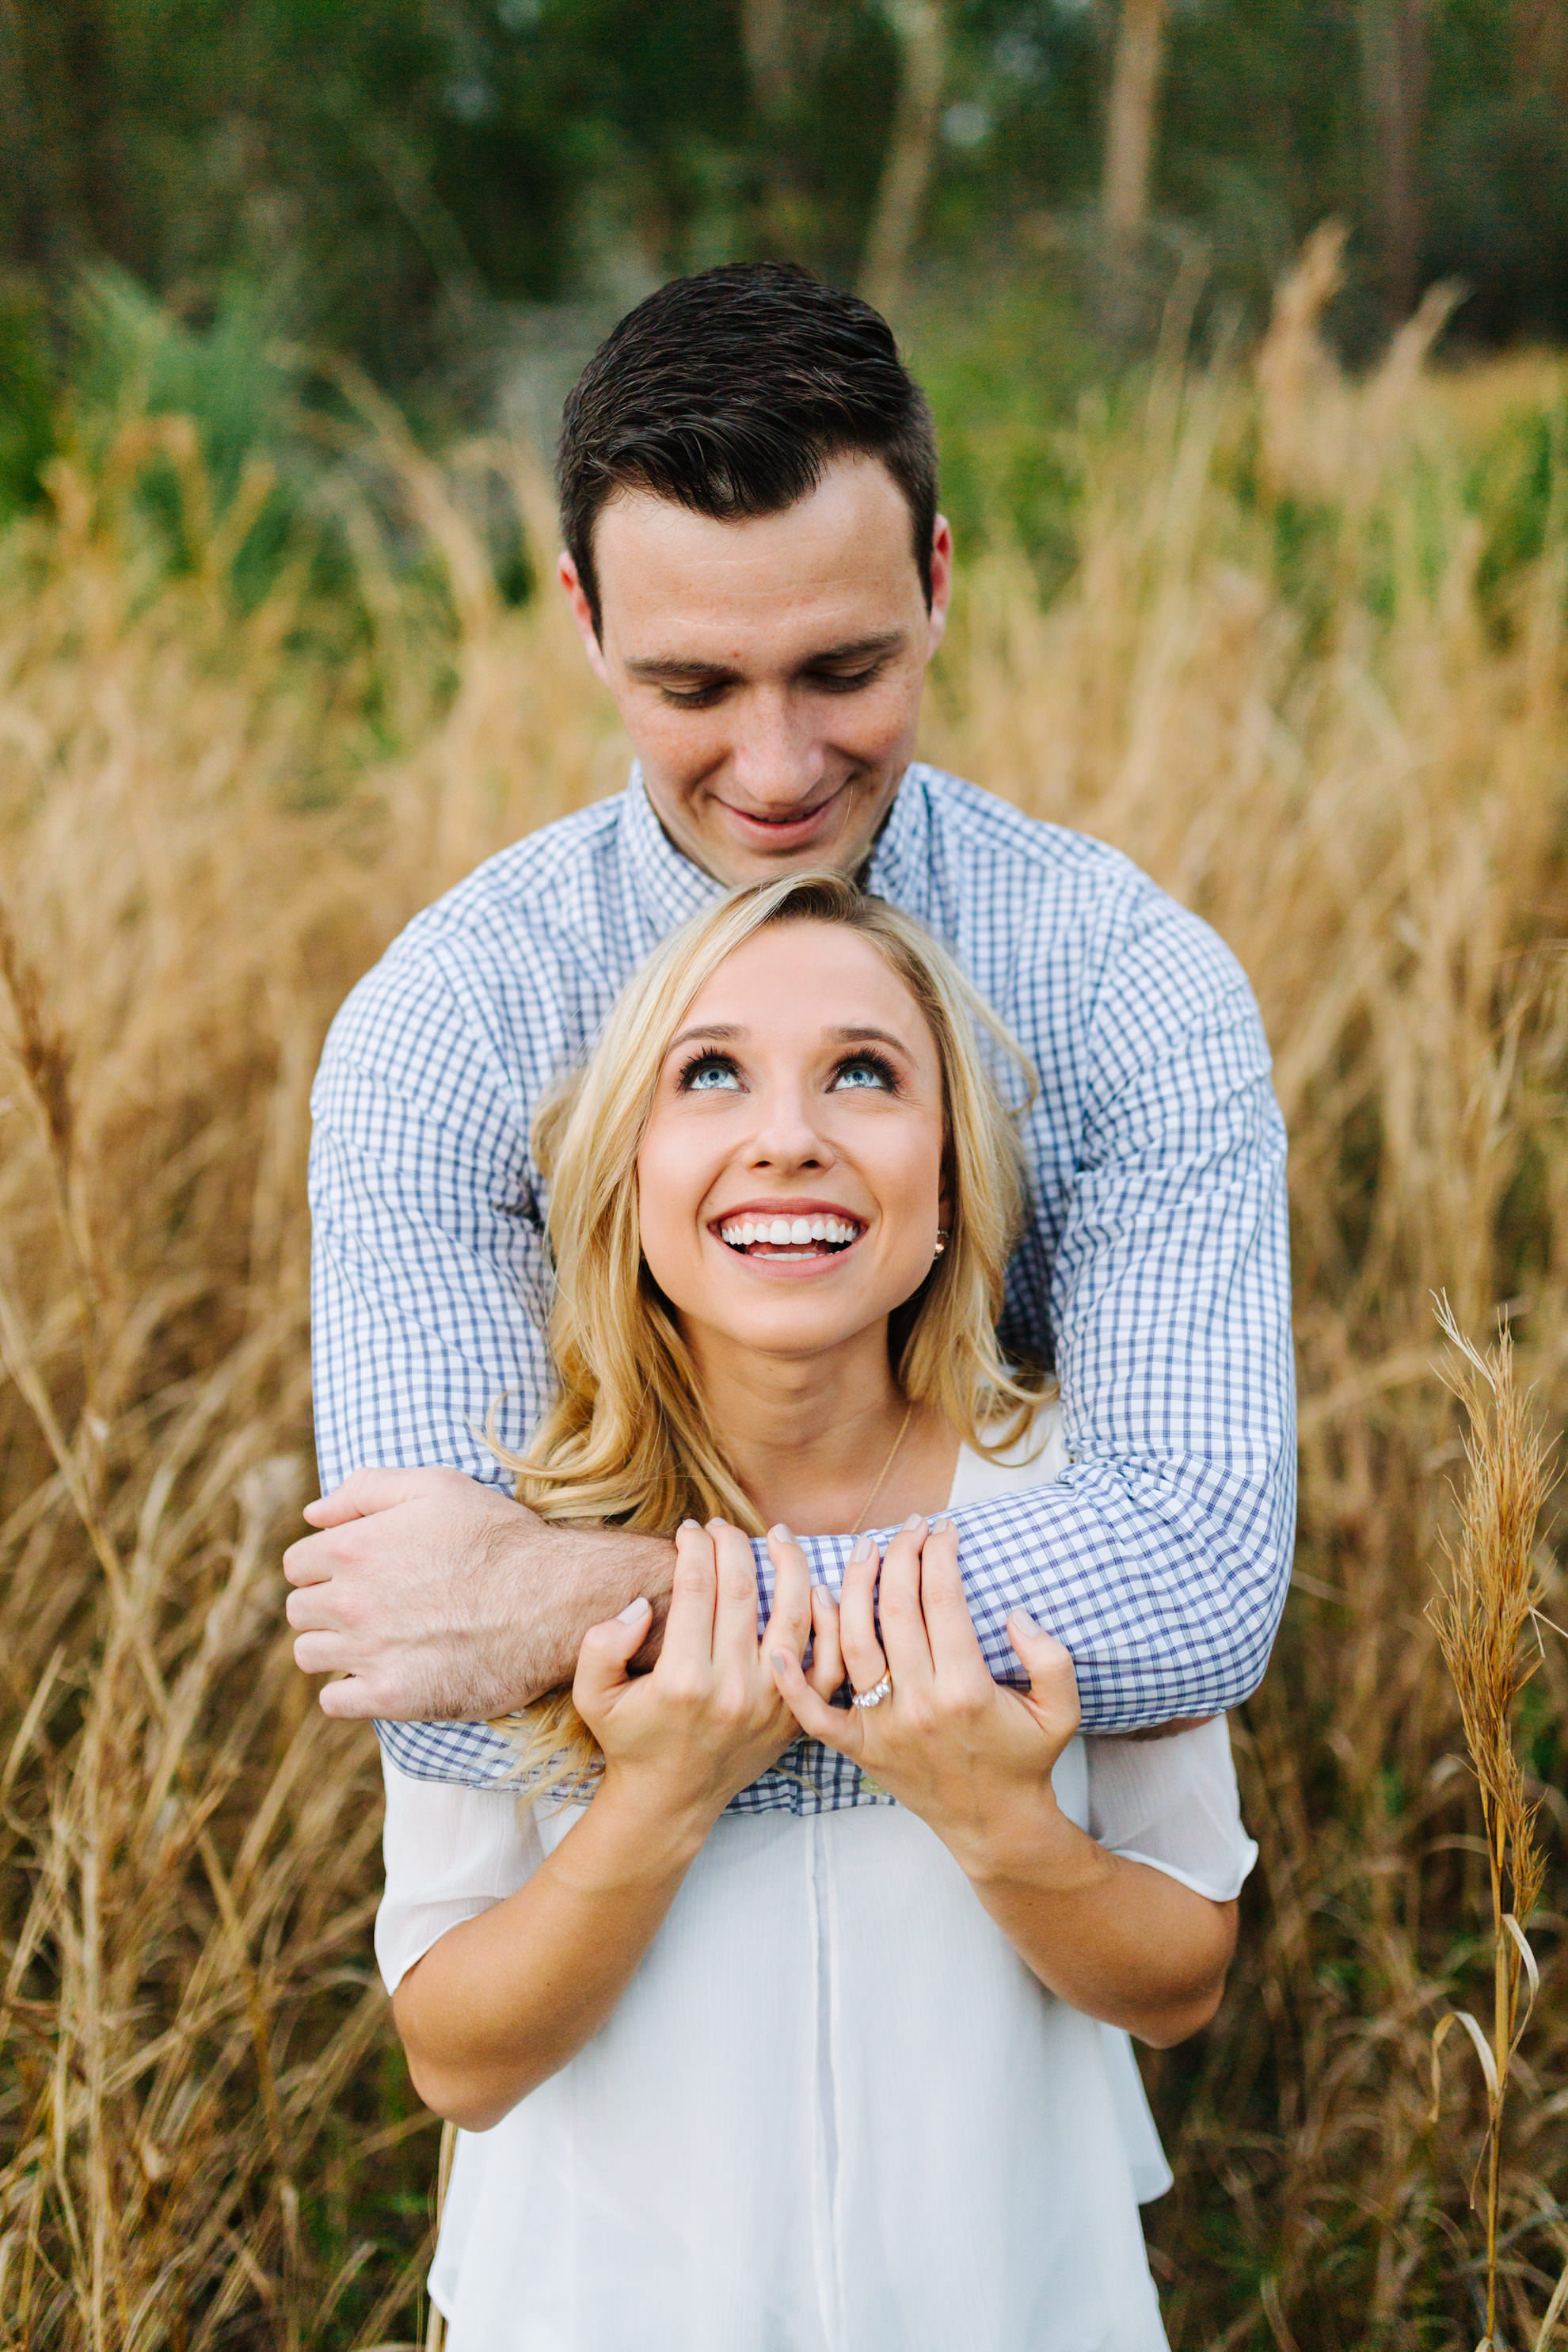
1292, 680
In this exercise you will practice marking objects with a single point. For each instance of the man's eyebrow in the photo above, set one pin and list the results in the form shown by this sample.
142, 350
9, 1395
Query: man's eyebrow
662, 668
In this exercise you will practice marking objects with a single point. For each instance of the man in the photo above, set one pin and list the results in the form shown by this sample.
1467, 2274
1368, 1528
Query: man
760, 575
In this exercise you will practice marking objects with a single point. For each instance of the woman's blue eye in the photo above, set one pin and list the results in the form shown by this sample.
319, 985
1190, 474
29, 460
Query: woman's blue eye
864, 1072
708, 1075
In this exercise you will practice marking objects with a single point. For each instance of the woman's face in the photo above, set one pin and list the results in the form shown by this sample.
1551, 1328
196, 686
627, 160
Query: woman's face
790, 1178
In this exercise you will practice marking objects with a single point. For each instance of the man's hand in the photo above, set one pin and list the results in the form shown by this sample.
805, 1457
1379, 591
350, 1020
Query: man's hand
444, 1599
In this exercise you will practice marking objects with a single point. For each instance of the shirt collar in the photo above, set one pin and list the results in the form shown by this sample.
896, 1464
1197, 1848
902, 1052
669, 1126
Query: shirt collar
901, 860
673, 888
668, 883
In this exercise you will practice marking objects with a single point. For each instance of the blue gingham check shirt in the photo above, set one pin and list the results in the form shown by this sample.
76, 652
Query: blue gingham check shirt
1153, 1272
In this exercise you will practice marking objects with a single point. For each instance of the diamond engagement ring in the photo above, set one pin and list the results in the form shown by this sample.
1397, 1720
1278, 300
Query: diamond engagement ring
873, 1697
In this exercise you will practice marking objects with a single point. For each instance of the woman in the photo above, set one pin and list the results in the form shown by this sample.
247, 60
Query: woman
734, 2081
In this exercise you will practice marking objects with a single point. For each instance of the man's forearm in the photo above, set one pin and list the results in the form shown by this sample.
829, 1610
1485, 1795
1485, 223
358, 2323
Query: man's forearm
435, 1598
578, 1577
1168, 1616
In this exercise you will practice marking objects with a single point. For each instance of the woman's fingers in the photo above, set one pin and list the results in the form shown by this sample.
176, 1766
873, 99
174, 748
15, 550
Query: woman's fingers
826, 1648
863, 1657
836, 1726
603, 1658
898, 1606
688, 1628
735, 1610
944, 1605
790, 1586
789, 1627
1053, 1686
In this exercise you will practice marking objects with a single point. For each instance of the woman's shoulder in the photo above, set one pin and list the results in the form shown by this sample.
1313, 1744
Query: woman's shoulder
1035, 1458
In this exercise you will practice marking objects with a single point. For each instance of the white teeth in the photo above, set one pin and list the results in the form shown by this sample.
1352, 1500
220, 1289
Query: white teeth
787, 1232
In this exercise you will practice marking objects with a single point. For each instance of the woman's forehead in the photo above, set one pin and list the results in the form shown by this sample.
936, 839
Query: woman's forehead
809, 977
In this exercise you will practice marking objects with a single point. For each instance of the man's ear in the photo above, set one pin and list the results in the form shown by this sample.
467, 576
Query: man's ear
941, 580
583, 614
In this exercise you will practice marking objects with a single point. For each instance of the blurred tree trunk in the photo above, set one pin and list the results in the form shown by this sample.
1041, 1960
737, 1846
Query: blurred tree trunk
920, 28
783, 43
1393, 35
63, 134
1129, 122
1539, 45
767, 37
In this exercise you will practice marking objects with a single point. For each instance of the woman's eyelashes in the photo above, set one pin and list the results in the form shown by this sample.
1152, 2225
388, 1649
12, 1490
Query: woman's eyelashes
709, 1071
867, 1070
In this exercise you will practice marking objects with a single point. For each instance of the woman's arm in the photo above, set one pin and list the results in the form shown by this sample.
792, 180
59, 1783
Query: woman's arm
1112, 1937
503, 2000
1117, 1939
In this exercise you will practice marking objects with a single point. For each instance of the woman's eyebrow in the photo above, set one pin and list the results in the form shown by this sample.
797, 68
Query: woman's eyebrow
725, 1029
855, 1033
862, 1035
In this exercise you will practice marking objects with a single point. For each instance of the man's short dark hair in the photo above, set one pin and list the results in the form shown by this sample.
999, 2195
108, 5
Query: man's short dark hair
730, 393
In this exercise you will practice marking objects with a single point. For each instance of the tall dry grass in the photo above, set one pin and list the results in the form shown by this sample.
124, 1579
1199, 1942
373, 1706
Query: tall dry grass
1291, 679
1488, 1610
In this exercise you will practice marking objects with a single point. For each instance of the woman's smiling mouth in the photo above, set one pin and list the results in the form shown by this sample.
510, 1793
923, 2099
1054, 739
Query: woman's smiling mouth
814, 1234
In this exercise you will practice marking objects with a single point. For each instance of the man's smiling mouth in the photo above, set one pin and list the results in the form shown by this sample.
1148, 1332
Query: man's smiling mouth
787, 820
789, 1237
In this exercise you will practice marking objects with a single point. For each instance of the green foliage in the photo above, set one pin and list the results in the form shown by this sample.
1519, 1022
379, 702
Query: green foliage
132, 359
391, 172
1004, 374
26, 404
1516, 488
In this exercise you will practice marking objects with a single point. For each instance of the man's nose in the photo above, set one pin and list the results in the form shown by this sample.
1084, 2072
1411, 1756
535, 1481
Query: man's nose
775, 751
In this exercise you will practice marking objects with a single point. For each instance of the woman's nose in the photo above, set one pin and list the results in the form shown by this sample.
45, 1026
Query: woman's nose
787, 1135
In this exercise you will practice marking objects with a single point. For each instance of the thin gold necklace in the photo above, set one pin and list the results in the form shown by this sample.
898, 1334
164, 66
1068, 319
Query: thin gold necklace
881, 1478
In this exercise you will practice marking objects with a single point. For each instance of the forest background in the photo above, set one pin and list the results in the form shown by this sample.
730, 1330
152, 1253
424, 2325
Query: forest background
1242, 321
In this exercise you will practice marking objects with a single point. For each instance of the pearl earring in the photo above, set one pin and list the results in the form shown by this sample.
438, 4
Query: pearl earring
940, 1242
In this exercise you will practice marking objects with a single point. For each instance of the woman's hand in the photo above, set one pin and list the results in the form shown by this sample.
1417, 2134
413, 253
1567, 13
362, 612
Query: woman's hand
710, 1717
973, 1759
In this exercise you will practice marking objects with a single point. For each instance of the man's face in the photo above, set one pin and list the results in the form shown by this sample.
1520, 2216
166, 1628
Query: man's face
769, 672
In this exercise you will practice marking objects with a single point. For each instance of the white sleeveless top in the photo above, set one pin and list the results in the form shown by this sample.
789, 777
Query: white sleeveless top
832, 2111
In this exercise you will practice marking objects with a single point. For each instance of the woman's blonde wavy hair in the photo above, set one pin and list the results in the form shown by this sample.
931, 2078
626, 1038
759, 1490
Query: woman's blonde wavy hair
626, 1440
